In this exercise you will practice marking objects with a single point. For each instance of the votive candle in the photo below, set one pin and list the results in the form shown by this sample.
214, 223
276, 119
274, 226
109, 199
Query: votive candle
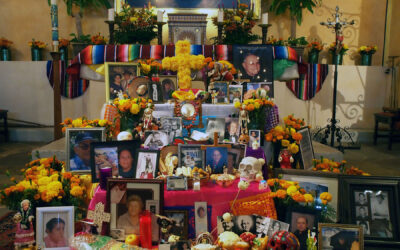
110, 14
105, 173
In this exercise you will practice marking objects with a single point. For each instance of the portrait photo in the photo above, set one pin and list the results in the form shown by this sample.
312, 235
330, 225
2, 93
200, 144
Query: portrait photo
361, 198
262, 225
254, 137
340, 236
54, 226
155, 92
172, 126
224, 226
235, 91
155, 139
190, 156
235, 154
168, 85
180, 222
362, 213
201, 217
217, 159
127, 199
381, 222
119, 155
255, 62
221, 90
118, 77
78, 141
232, 129
244, 223
147, 164
300, 223
365, 225
215, 125
275, 226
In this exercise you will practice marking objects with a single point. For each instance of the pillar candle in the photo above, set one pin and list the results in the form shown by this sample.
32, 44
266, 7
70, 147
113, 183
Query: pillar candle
160, 15
145, 230
54, 24
105, 173
264, 18
220, 16
110, 14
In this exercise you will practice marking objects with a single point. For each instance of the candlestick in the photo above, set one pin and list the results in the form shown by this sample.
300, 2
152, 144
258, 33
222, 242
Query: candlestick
54, 24
264, 18
220, 16
105, 173
159, 32
110, 15
264, 28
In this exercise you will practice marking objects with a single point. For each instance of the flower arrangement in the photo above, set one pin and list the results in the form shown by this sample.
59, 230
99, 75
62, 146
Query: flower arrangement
237, 25
315, 47
83, 122
135, 26
326, 165
4, 43
226, 65
98, 40
45, 183
149, 67
276, 42
297, 42
257, 109
219, 70
37, 44
63, 43
343, 49
369, 50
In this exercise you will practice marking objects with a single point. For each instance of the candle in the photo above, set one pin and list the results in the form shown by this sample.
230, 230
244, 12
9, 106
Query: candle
54, 24
264, 18
110, 15
145, 230
104, 174
220, 16
160, 16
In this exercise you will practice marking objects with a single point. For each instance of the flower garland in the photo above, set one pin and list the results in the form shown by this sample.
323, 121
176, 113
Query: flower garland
326, 165
83, 122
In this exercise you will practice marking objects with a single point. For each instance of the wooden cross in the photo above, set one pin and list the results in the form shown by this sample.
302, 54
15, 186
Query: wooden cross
204, 147
99, 216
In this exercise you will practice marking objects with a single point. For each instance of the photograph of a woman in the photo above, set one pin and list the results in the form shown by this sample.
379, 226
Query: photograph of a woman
125, 163
55, 230
129, 221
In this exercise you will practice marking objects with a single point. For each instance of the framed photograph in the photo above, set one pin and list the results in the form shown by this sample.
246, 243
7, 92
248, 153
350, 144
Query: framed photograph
235, 154
371, 202
147, 164
117, 233
306, 149
78, 141
119, 155
155, 92
175, 183
172, 126
255, 62
244, 223
232, 129
255, 136
127, 198
235, 91
190, 156
224, 226
221, 90
275, 226
262, 225
168, 85
201, 217
217, 159
155, 139
118, 77
139, 87
154, 207
301, 220
316, 183
181, 222
340, 236
216, 125
54, 227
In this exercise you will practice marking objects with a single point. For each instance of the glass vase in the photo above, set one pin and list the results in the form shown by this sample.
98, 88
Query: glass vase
366, 59
337, 59
313, 57
36, 54
5, 54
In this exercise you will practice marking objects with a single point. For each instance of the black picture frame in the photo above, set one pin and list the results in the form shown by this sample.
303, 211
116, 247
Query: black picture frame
178, 229
177, 183
156, 96
352, 185
146, 189
239, 151
306, 149
167, 91
132, 146
142, 164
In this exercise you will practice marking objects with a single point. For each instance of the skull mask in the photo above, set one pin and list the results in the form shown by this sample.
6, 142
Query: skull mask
249, 167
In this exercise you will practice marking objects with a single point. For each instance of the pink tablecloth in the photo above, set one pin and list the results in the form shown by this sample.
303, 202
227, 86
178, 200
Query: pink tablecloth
217, 197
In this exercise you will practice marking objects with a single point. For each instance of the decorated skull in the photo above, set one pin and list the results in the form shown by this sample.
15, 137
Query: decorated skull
249, 167
283, 240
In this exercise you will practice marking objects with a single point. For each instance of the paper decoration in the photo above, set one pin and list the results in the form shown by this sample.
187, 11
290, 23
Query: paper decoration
99, 216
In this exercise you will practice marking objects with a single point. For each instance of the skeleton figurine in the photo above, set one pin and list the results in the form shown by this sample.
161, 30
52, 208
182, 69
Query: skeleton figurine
244, 119
250, 168
147, 117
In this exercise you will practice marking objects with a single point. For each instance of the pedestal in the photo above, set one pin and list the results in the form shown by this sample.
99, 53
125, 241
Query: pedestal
264, 28
111, 31
159, 32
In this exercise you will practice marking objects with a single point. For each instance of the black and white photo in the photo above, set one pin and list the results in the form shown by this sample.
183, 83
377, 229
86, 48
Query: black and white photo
155, 92
262, 225
232, 131
275, 226
172, 126
216, 125
244, 223
155, 139
361, 198
224, 226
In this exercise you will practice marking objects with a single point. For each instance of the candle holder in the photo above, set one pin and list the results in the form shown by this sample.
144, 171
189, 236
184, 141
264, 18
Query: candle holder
264, 28
105, 173
111, 31
159, 32
220, 28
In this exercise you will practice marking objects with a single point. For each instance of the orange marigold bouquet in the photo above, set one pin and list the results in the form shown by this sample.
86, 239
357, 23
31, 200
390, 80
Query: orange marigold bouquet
257, 109
98, 40
4, 43
83, 122
37, 44
149, 67
45, 183
63, 42
326, 165
315, 46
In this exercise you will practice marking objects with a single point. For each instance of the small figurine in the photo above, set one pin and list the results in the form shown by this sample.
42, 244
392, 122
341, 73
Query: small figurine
147, 117
171, 162
285, 158
24, 235
244, 119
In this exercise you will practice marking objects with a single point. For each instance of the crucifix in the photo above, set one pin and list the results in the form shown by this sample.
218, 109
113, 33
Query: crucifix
337, 24
99, 216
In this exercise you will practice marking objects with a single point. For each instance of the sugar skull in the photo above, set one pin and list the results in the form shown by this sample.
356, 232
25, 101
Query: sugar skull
283, 240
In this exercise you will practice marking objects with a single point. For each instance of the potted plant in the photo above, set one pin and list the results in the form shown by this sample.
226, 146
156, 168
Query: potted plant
337, 56
366, 53
135, 25
298, 44
313, 53
76, 8
295, 8
237, 25
36, 49
5, 49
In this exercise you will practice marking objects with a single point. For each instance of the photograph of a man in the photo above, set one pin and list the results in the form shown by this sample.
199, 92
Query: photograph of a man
79, 154
217, 159
300, 224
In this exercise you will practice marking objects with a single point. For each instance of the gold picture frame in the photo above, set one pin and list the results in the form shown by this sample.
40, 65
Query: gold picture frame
112, 70
341, 231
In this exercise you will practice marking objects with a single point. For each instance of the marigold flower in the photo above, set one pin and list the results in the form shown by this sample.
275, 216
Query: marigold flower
36, 196
309, 198
291, 190
281, 194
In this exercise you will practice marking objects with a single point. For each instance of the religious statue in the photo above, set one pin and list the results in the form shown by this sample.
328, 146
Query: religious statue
244, 119
24, 235
285, 158
148, 122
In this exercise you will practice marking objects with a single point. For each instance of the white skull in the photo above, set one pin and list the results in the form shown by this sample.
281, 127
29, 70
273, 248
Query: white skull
249, 167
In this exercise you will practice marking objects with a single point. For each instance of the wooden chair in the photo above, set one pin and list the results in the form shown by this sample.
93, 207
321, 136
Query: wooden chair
392, 119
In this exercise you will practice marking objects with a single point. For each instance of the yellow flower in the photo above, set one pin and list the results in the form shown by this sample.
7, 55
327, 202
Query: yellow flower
279, 129
133, 19
362, 48
285, 143
103, 123
76, 191
309, 198
257, 105
44, 180
293, 148
345, 46
237, 105
237, 18
54, 186
291, 190
77, 123
135, 108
